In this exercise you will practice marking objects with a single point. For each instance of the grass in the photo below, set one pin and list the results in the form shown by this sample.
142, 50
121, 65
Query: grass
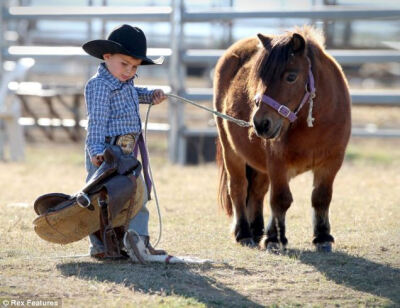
373, 152
363, 270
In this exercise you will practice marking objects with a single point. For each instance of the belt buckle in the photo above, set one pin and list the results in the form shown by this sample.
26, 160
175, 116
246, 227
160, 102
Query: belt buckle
127, 143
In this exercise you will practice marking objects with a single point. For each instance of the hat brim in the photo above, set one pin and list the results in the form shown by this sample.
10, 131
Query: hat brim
97, 48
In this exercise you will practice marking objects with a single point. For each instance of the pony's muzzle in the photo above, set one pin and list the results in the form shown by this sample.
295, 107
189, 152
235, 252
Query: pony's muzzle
265, 128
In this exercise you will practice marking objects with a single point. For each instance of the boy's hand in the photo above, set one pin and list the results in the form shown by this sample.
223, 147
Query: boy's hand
158, 96
97, 160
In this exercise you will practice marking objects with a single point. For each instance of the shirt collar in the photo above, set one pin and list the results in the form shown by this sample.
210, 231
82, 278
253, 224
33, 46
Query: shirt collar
105, 74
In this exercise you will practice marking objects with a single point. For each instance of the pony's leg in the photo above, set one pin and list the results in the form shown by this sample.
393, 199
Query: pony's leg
321, 199
257, 188
280, 201
237, 190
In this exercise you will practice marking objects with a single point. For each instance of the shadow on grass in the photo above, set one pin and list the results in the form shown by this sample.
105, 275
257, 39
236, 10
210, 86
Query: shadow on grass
187, 281
354, 272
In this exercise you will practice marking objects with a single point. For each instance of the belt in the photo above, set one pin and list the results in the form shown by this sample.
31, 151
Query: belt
126, 142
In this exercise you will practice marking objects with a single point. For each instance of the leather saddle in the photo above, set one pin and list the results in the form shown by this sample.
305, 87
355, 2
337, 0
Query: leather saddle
110, 198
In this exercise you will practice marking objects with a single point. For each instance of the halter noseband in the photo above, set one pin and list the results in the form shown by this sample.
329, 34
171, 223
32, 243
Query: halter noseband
285, 111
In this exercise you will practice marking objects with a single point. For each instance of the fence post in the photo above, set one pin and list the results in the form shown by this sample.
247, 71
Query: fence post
2, 44
176, 144
89, 37
3, 29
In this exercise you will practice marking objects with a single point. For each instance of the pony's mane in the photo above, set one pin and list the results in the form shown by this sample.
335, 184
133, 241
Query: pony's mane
272, 59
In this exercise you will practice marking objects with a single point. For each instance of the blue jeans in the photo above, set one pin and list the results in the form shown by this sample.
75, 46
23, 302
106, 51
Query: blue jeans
139, 223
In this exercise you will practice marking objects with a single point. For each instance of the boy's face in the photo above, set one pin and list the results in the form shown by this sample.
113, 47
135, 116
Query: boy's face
121, 66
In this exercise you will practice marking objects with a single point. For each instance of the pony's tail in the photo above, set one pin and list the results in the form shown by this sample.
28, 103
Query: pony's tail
223, 198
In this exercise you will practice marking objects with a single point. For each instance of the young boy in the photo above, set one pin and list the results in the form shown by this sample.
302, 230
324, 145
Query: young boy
112, 103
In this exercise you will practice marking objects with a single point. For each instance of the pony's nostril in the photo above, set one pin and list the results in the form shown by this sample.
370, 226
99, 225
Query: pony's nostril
262, 126
265, 125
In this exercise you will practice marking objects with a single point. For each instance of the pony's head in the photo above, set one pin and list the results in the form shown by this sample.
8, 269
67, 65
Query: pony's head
280, 75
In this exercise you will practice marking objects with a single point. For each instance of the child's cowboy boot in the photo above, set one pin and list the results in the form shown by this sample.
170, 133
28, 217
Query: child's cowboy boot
134, 246
140, 250
150, 248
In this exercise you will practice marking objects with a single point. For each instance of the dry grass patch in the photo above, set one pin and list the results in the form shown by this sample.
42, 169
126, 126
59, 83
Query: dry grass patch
363, 270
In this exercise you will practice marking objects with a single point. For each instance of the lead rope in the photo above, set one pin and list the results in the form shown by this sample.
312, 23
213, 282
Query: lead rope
152, 179
241, 123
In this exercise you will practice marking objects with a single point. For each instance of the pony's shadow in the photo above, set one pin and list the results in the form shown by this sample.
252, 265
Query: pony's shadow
185, 280
354, 272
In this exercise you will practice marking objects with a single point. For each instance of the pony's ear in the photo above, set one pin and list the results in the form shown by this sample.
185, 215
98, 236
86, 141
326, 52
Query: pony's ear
265, 40
298, 43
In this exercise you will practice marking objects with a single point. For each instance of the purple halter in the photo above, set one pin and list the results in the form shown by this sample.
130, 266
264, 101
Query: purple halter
282, 109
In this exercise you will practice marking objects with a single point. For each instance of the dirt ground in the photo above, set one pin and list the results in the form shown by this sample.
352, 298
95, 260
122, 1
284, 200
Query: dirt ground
363, 270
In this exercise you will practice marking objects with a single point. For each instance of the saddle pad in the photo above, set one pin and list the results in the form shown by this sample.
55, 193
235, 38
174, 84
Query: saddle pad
72, 223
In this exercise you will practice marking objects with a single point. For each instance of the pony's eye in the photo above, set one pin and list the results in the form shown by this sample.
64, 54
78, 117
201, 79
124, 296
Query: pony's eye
291, 77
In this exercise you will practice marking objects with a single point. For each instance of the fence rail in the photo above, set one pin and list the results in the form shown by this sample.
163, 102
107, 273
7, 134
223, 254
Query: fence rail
50, 52
343, 56
358, 97
369, 132
196, 56
329, 13
154, 13
142, 13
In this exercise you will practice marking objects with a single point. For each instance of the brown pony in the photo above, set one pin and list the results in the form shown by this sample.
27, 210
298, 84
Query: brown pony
296, 97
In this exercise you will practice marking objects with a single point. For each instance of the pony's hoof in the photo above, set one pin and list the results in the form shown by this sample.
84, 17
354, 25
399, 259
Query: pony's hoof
271, 247
247, 242
275, 248
258, 239
324, 247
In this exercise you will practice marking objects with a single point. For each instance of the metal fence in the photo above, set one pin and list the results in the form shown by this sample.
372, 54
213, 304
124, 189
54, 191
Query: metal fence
180, 57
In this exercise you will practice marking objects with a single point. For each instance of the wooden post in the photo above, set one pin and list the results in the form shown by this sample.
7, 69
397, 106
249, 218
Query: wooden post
176, 144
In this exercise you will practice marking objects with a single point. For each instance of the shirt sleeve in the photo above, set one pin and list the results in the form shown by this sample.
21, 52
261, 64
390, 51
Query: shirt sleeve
145, 95
97, 96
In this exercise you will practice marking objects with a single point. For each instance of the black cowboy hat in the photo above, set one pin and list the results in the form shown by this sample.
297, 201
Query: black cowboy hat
126, 40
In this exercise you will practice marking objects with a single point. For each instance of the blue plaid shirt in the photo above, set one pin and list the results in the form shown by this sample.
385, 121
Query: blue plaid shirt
112, 108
